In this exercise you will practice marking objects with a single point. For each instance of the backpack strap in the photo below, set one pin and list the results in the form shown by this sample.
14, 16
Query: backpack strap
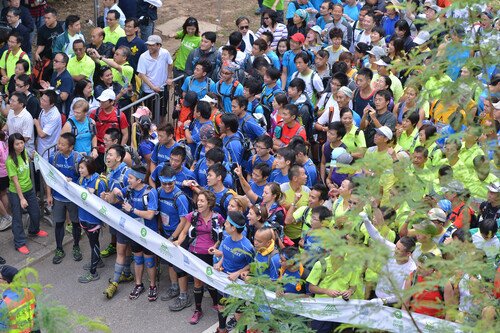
74, 129
222, 200
270, 257
303, 217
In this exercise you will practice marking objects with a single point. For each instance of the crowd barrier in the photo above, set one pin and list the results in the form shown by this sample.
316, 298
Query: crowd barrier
358, 312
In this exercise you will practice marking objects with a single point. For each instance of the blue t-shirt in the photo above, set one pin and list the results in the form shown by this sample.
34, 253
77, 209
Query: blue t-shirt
292, 8
161, 153
182, 175
170, 212
250, 128
87, 183
137, 47
137, 199
311, 172
83, 143
257, 189
221, 207
233, 148
200, 172
274, 59
352, 12
259, 160
200, 88
291, 288
223, 90
118, 178
277, 177
145, 148
68, 166
63, 83
237, 254
269, 267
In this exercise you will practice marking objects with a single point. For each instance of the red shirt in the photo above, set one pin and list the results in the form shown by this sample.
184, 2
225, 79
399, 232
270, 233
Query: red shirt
105, 121
426, 296
288, 133
497, 284
457, 215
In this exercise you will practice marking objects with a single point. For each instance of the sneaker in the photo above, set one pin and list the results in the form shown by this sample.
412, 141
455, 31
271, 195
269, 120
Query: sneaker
153, 294
69, 228
24, 250
231, 324
180, 304
2, 261
77, 254
58, 257
100, 264
40, 233
220, 330
138, 289
5, 223
88, 277
126, 278
111, 290
195, 319
171, 293
110, 250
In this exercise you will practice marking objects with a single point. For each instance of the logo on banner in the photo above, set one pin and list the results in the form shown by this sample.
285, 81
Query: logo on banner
398, 314
209, 271
331, 308
121, 223
103, 211
51, 176
144, 232
186, 259
164, 250
398, 323
83, 196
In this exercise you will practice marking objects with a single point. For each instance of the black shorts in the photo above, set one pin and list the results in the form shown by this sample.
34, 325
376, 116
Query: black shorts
139, 248
4, 183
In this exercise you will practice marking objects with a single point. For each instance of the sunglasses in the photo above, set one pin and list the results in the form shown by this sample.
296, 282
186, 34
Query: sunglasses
244, 27
168, 183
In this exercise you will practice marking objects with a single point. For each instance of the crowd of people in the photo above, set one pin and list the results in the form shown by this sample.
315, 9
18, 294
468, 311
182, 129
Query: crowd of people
313, 125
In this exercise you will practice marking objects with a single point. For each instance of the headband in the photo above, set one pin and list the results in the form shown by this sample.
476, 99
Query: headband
137, 174
237, 226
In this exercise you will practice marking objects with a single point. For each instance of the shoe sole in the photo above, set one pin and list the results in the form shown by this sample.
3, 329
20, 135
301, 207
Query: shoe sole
77, 258
180, 309
88, 281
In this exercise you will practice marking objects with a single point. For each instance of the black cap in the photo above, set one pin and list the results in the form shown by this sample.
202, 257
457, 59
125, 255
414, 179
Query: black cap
190, 99
362, 47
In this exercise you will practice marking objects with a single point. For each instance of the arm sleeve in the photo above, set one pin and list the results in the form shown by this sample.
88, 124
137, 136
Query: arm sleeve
373, 232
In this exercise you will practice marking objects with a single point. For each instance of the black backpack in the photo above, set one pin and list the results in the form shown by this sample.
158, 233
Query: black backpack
222, 96
245, 143
217, 230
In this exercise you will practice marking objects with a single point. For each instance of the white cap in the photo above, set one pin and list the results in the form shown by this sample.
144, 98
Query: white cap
208, 99
107, 95
380, 62
385, 131
317, 29
422, 37
154, 39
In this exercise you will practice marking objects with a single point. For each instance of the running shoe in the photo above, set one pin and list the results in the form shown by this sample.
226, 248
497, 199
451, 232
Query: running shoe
58, 257
138, 289
110, 250
2, 261
88, 277
231, 324
23, 249
40, 233
126, 278
195, 319
180, 304
77, 254
5, 223
153, 294
111, 290
171, 293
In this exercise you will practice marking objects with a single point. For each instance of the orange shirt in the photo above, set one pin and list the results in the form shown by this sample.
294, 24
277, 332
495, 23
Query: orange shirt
288, 133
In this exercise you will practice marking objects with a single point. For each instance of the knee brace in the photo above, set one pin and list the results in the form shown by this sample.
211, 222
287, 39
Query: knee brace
149, 261
139, 260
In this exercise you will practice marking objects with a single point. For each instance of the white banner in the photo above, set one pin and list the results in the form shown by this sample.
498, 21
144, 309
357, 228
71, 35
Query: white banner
357, 312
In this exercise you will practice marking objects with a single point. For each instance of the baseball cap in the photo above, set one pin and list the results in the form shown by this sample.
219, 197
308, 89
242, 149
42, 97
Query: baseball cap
190, 99
385, 131
344, 158
8, 272
435, 8
298, 37
454, 186
378, 52
362, 47
422, 37
107, 95
208, 99
436, 214
301, 13
381, 62
206, 132
154, 39
496, 105
494, 187
141, 111
317, 29
337, 152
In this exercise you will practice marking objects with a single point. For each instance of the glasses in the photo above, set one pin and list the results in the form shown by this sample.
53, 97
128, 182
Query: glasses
20, 85
260, 147
244, 27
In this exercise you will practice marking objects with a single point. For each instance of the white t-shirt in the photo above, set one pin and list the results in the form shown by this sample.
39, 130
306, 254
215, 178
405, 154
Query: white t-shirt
364, 38
23, 124
69, 48
324, 119
50, 122
155, 69
316, 81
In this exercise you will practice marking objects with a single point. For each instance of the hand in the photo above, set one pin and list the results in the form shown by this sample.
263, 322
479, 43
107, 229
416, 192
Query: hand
372, 114
187, 123
233, 276
157, 89
334, 293
50, 201
37, 57
298, 196
280, 293
93, 53
104, 196
238, 171
44, 84
346, 294
24, 203
245, 275
4, 80
218, 266
94, 153
169, 82
127, 207
173, 35
176, 243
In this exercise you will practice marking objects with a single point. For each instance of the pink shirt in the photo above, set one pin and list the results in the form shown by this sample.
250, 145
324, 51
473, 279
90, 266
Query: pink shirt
203, 240
4, 153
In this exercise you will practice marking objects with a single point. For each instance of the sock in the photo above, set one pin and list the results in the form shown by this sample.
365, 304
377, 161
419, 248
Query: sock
126, 266
198, 297
175, 285
59, 235
222, 320
77, 232
118, 272
214, 294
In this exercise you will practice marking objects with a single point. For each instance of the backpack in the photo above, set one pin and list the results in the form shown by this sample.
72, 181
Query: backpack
245, 143
101, 178
74, 129
39, 71
144, 195
302, 219
222, 96
260, 118
99, 121
189, 155
220, 204
317, 93
216, 227
134, 154
75, 159
207, 86
310, 125
268, 107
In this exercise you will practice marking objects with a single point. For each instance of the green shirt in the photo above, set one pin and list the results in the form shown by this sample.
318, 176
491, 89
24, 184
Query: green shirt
22, 172
113, 36
409, 142
270, 3
85, 66
354, 141
467, 155
125, 77
9, 63
294, 230
478, 188
298, 215
188, 44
